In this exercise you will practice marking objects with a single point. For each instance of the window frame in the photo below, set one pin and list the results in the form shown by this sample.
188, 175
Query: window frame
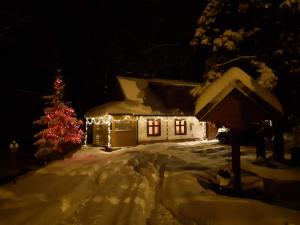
184, 125
153, 125
128, 125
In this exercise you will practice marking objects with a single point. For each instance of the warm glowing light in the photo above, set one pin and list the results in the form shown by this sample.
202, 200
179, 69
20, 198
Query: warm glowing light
98, 120
109, 131
152, 129
62, 125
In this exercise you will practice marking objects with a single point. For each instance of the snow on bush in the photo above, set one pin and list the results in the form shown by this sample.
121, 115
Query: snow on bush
229, 39
267, 77
196, 91
294, 5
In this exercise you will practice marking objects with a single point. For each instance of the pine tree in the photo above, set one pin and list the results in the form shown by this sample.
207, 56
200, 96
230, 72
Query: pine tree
260, 36
62, 126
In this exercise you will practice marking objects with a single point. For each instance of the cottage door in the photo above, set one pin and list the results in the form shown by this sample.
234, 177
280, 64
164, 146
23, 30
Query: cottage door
100, 134
211, 131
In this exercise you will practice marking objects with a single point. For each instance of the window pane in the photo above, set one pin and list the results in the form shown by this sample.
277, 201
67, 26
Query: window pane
182, 129
153, 127
180, 126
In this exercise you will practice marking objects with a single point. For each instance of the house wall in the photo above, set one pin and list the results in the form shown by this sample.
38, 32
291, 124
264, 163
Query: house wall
194, 129
137, 130
127, 137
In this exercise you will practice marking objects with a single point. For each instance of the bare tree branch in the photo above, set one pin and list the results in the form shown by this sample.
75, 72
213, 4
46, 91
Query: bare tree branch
236, 59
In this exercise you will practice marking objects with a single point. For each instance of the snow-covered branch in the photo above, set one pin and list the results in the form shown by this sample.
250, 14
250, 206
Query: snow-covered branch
267, 77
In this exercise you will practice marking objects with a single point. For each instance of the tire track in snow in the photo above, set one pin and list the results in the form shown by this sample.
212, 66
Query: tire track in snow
121, 196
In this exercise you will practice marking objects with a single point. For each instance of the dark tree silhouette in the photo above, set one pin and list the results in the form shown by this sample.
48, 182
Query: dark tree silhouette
261, 36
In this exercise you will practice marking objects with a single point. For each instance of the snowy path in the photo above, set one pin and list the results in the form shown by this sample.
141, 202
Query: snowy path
145, 185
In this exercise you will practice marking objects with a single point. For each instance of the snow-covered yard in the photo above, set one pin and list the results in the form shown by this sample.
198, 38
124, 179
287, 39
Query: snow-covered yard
154, 184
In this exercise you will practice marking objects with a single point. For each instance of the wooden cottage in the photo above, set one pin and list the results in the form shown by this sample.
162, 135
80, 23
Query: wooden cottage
153, 110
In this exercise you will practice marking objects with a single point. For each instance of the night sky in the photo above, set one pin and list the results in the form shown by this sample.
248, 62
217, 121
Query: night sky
92, 42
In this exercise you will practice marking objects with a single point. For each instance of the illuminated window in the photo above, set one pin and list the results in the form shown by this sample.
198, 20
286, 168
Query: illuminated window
153, 127
180, 127
123, 125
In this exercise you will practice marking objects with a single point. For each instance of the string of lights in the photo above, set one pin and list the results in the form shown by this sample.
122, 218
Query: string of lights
109, 119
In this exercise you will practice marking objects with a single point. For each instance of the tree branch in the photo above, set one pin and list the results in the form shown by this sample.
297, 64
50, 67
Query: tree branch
236, 59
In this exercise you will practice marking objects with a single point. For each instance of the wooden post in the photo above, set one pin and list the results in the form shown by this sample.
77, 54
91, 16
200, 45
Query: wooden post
260, 142
236, 161
278, 151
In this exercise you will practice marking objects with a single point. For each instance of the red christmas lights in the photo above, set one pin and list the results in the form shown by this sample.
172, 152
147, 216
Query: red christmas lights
62, 125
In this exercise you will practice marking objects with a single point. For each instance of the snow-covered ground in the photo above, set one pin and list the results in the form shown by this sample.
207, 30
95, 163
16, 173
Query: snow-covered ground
154, 184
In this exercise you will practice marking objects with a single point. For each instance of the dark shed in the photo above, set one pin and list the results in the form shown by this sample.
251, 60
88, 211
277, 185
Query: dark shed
235, 100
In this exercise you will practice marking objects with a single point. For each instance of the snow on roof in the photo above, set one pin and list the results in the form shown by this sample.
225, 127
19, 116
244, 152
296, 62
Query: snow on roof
142, 99
134, 88
119, 107
158, 80
129, 107
235, 77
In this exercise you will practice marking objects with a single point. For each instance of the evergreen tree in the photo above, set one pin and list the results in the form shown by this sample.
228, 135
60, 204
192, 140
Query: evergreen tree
63, 128
261, 36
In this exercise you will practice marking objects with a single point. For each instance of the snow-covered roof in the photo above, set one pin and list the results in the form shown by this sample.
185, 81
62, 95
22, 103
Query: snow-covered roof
135, 88
149, 97
119, 107
235, 78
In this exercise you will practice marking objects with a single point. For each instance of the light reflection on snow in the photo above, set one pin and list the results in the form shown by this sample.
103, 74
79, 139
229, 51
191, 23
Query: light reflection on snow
127, 200
197, 142
113, 200
98, 199
142, 185
134, 187
139, 201
103, 177
6, 194
65, 204
124, 186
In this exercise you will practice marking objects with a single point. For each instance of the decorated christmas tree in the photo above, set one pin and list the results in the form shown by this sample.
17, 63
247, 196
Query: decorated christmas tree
63, 129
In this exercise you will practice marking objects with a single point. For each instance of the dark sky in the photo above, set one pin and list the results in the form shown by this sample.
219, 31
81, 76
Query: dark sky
92, 42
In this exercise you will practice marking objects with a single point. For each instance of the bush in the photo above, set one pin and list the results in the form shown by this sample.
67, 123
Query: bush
295, 155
